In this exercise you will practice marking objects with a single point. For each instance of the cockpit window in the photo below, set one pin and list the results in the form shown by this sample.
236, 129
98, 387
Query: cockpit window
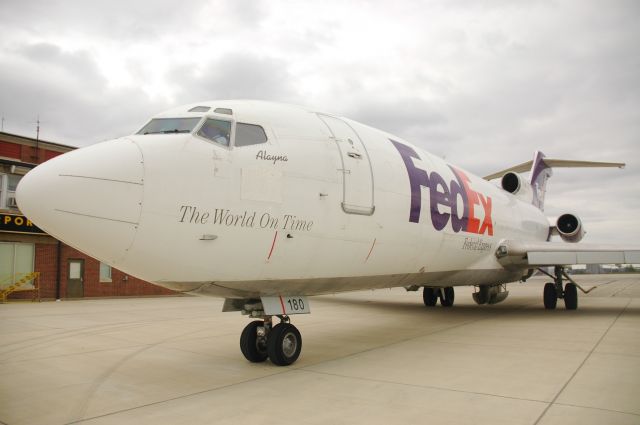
225, 111
169, 125
249, 134
199, 109
216, 130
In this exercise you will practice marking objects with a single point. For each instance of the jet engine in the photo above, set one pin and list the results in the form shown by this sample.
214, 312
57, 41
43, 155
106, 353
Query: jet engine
516, 185
570, 228
490, 294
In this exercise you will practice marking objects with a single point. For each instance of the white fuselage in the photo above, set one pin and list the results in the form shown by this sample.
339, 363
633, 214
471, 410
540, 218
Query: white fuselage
325, 205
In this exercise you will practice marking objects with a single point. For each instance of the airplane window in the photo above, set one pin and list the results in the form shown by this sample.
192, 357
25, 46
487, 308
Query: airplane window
199, 109
216, 130
249, 134
169, 126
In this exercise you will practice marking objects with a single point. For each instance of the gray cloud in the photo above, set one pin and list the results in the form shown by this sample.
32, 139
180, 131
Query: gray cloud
117, 19
69, 94
235, 76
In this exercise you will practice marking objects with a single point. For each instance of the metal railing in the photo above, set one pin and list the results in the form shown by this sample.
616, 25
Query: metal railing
18, 282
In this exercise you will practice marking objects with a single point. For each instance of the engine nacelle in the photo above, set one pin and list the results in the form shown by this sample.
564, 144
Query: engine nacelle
490, 294
516, 185
570, 228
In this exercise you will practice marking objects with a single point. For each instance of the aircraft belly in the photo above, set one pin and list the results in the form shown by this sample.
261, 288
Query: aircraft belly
319, 286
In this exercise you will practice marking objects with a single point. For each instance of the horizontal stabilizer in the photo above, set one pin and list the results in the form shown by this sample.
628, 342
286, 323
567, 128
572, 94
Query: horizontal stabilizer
555, 163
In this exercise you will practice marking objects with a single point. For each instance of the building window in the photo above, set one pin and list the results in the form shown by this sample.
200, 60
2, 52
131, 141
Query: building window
16, 261
8, 184
105, 272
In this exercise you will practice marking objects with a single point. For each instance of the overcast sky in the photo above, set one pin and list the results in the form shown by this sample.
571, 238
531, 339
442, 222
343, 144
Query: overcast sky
481, 83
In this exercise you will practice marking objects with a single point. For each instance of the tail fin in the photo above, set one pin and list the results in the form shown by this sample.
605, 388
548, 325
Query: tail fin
540, 173
540, 168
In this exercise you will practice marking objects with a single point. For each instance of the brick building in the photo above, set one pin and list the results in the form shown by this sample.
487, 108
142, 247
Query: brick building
64, 271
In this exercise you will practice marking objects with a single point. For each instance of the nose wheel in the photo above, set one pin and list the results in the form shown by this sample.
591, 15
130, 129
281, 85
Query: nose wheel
281, 343
253, 342
284, 344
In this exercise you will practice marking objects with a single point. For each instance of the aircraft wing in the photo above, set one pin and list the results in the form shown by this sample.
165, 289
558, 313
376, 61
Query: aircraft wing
512, 253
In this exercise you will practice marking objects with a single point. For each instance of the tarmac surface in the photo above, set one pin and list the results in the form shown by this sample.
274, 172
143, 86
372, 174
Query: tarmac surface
374, 357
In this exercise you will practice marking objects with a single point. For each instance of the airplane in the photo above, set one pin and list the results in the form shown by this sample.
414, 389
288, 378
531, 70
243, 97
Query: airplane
265, 204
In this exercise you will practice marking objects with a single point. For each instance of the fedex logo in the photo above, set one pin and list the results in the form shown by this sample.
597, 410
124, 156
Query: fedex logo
445, 197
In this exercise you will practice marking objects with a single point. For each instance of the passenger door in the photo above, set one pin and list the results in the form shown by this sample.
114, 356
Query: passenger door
356, 167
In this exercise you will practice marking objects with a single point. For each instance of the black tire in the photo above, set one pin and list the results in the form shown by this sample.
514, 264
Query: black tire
253, 350
570, 296
447, 296
284, 344
429, 296
550, 296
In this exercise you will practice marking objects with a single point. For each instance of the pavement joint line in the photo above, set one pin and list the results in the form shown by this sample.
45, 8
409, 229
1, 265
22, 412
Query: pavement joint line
31, 359
168, 400
615, 294
135, 344
80, 410
80, 353
478, 344
431, 387
598, 408
612, 353
63, 335
587, 357
411, 338
91, 330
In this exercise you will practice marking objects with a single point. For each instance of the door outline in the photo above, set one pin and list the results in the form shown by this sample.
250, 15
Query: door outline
346, 207
75, 287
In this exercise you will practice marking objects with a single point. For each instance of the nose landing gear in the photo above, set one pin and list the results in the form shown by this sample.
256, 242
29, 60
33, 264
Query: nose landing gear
262, 339
280, 343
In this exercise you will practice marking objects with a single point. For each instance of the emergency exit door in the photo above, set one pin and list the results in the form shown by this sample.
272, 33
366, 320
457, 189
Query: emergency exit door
356, 167
75, 279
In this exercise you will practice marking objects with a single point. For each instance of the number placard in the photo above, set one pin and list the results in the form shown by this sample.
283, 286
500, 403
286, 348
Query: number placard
295, 304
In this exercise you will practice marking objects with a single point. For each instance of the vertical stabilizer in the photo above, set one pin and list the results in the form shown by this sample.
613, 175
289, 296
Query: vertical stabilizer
540, 173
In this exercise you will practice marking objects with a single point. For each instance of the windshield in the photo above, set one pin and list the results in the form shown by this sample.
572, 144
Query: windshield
169, 125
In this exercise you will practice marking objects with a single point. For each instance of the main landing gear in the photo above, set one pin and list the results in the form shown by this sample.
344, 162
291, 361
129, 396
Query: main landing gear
446, 295
281, 343
554, 290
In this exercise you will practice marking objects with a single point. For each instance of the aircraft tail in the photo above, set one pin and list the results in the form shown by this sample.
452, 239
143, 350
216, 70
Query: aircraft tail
540, 173
540, 169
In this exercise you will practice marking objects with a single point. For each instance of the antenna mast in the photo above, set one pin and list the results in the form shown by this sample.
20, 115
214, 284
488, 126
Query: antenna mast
38, 139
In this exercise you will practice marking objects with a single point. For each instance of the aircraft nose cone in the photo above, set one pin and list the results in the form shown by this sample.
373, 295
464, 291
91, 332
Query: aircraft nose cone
90, 198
